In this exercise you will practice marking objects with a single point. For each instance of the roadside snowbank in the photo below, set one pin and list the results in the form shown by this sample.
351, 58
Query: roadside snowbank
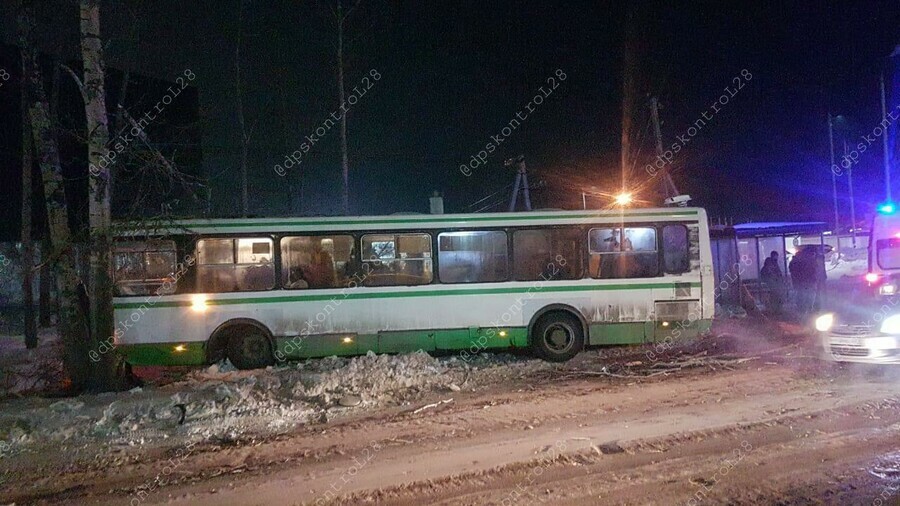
220, 404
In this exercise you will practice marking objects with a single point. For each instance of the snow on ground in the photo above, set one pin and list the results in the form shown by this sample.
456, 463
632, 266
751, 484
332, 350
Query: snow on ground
24, 371
220, 403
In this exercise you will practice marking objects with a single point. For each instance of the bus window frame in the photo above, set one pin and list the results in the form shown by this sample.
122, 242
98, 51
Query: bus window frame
583, 259
437, 257
353, 269
116, 250
662, 246
621, 227
361, 271
276, 259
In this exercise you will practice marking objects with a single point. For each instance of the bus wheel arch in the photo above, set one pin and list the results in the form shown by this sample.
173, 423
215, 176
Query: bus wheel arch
234, 337
555, 319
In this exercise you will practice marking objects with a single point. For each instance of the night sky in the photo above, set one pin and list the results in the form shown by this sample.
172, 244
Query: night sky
453, 74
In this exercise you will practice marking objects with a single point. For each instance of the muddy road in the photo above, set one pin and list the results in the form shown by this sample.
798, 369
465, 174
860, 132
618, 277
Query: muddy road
738, 419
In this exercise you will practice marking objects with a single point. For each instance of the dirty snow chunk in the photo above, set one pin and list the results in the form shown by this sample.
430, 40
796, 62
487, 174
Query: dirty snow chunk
370, 376
350, 401
66, 406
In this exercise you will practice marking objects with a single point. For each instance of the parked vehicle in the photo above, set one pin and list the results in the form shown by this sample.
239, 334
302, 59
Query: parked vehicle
260, 290
864, 324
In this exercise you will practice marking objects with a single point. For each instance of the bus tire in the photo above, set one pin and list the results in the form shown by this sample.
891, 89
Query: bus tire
557, 336
249, 347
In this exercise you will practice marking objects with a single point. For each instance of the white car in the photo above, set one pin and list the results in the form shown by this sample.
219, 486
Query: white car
857, 340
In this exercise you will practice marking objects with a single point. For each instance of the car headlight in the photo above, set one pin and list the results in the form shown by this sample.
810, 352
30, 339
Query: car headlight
824, 322
891, 325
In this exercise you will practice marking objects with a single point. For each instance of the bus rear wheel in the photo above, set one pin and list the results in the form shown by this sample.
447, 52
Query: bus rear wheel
557, 336
249, 348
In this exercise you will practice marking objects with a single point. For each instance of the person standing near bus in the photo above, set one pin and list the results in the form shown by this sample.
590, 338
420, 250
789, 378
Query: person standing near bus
774, 280
803, 278
821, 278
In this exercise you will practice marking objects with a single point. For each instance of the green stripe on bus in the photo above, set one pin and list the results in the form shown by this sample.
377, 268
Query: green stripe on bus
431, 219
390, 295
164, 353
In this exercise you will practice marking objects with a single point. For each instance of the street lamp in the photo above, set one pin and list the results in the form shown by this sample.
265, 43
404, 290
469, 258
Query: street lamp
623, 199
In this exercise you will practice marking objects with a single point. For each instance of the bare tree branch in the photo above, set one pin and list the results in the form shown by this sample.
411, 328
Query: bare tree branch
77, 81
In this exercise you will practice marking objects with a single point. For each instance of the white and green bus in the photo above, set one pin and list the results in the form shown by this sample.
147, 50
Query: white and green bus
263, 290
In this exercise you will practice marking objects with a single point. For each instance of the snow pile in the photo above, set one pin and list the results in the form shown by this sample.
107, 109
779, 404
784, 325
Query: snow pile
371, 377
220, 403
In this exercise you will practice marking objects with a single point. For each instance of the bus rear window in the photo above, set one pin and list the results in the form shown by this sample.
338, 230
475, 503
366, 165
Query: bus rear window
676, 249
144, 268
888, 253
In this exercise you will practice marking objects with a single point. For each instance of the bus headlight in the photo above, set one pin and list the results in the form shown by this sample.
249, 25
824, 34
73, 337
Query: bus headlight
891, 325
887, 289
198, 303
824, 322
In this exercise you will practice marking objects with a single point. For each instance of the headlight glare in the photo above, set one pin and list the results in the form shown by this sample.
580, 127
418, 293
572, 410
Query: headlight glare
891, 325
824, 322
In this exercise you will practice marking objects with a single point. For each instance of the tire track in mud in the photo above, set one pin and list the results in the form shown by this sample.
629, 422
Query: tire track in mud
287, 466
644, 469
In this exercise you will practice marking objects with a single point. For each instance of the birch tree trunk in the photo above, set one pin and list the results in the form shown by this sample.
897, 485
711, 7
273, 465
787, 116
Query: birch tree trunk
100, 285
73, 323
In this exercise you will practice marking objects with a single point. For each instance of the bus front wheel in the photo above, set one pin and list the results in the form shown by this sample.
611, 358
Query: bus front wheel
249, 348
557, 336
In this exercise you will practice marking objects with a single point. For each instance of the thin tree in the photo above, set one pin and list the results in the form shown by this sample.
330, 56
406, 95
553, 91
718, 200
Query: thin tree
73, 322
27, 244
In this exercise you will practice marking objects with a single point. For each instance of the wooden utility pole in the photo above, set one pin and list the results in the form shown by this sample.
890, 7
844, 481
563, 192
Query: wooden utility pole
834, 191
850, 189
668, 186
887, 150
27, 244
628, 84
245, 137
345, 163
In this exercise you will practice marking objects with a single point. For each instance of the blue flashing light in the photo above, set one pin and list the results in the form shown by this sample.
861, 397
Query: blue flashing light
887, 208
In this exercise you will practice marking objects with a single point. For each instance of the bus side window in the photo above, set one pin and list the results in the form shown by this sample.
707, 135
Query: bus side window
473, 256
547, 254
144, 268
604, 247
316, 261
396, 259
235, 265
617, 253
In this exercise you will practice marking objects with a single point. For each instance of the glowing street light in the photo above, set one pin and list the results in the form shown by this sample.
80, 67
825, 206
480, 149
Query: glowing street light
623, 199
